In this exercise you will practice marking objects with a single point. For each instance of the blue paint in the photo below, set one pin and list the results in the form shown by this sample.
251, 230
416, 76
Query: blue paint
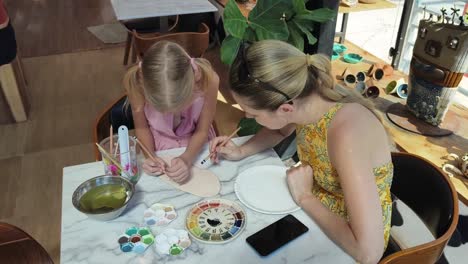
139, 248
234, 230
127, 247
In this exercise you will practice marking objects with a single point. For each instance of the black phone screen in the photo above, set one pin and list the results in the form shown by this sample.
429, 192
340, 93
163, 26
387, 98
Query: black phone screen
276, 235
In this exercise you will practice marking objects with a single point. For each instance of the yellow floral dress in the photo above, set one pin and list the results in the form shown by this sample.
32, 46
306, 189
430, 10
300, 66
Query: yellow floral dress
312, 150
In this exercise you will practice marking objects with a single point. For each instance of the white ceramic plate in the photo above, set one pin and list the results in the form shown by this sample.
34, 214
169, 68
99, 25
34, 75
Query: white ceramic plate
264, 189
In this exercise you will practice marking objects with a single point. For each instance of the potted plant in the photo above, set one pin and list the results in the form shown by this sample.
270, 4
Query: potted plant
287, 20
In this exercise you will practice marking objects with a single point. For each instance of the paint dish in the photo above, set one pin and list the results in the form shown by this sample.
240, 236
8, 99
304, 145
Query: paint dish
402, 91
352, 58
264, 189
135, 240
339, 48
335, 55
172, 242
159, 214
372, 92
215, 221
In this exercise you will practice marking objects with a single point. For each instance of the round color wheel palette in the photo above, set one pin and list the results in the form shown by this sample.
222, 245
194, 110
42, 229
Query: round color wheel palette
215, 221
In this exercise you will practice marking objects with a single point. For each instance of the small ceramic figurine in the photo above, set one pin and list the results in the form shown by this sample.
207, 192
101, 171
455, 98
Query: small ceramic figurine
461, 168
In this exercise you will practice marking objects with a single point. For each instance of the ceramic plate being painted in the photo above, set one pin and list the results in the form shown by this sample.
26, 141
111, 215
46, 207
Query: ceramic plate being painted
215, 221
264, 189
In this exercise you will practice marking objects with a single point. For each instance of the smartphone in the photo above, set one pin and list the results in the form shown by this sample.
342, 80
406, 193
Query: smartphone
276, 235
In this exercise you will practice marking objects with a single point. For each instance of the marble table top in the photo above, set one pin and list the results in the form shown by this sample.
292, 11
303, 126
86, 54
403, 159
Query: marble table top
133, 9
85, 240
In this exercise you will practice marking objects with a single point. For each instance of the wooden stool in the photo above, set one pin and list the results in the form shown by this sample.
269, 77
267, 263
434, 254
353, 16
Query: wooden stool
13, 85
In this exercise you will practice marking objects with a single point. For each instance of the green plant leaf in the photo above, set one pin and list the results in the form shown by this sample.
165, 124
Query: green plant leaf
266, 19
305, 23
295, 36
248, 127
250, 35
318, 15
299, 6
229, 49
312, 40
269, 9
234, 22
270, 29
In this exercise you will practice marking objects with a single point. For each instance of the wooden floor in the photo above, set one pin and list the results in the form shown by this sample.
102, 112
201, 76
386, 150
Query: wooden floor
45, 27
66, 90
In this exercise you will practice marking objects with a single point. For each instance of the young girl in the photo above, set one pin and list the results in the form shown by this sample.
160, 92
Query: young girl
173, 99
346, 173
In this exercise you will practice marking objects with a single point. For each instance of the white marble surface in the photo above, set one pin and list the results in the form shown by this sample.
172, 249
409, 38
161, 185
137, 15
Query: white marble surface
89, 241
133, 9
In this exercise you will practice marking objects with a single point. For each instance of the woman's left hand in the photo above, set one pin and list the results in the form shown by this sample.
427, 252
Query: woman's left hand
179, 171
300, 182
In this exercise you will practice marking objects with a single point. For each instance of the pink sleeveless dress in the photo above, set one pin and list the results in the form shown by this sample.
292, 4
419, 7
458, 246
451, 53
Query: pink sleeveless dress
166, 135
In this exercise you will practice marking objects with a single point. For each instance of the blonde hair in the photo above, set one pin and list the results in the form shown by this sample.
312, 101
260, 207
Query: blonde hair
270, 73
166, 76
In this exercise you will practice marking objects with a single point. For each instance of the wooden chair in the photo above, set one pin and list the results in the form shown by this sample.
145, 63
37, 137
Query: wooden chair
114, 114
143, 26
195, 43
16, 246
426, 190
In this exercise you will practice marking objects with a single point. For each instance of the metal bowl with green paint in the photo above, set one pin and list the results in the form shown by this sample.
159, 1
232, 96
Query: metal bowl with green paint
104, 197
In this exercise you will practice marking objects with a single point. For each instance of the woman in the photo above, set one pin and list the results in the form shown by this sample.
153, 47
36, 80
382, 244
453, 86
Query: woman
346, 173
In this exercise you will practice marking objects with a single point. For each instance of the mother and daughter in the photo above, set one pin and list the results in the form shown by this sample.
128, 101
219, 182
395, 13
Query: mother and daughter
344, 181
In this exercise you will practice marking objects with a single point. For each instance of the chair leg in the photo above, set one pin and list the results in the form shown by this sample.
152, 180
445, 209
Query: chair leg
127, 48
20, 68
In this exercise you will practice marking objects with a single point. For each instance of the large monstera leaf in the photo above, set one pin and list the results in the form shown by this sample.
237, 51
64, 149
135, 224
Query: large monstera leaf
267, 19
287, 20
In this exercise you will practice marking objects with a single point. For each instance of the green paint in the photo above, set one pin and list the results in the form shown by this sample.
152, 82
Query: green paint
103, 198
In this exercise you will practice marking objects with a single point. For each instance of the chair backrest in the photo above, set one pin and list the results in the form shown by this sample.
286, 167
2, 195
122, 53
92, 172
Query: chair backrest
425, 189
16, 246
195, 43
149, 25
115, 114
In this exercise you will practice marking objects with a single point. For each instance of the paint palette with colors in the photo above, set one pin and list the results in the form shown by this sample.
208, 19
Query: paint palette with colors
159, 214
215, 221
136, 240
172, 242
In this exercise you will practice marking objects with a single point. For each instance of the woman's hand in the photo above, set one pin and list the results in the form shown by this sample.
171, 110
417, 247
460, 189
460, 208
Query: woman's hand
229, 151
300, 182
179, 171
154, 166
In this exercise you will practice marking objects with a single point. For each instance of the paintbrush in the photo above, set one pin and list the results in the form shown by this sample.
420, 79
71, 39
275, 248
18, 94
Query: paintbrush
148, 153
111, 139
108, 156
221, 145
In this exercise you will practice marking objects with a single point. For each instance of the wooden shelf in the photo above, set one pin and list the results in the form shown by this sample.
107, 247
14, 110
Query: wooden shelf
339, 65
380, 4
432, 148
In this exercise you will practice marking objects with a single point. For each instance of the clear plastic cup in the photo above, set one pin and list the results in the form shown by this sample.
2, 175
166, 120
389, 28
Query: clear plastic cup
132, 169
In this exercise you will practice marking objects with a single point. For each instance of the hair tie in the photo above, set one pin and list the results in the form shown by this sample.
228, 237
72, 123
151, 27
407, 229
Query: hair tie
194, 65
309, 60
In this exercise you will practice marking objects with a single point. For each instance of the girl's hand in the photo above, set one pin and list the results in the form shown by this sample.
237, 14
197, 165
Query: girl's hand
179, 171
230, 151
300, 182
154, 167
